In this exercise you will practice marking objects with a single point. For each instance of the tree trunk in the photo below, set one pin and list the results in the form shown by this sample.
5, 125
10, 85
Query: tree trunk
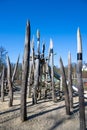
9, 82
70, 81
67, 102
2, 84
25, 70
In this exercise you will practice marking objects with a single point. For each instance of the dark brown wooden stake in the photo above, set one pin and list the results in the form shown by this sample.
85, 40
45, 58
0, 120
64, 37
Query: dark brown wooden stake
70, 80
67, 102
25, 70
80, 83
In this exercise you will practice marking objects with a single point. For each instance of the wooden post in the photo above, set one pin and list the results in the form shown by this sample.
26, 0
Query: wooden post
43, 49
15, 69
31, 69
70, 80
46, 78
29, 79
80, 83
52, 69
25, 70
9, 82
61, 88
67, 102
33, 61
2, 84
36, 70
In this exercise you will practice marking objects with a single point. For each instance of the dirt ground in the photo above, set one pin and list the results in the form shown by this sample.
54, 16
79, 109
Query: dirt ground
45, 115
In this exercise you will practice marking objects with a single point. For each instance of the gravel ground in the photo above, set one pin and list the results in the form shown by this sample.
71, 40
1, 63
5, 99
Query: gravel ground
45, 115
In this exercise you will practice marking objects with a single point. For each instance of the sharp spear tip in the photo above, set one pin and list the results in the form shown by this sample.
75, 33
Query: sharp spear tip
69, 52
78, 30
38, 33
51, 43
28, 22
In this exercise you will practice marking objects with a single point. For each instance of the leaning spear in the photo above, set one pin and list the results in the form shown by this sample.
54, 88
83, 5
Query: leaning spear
70, 80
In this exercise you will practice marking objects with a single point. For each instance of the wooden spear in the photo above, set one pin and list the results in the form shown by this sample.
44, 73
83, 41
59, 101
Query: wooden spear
67, 102
25, 70
2, 84
15, 69
70, 80
31, 68
36, 70
79, 82
9, 82
52, 70
43, 49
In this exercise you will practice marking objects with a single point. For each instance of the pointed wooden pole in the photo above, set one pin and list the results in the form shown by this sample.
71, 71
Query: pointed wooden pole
43, 49
70, 80
29, 79
25, 70
36, 70
32, 48
9, 82
46, 85
61, 88
15, 69
80, 83
2, 84
31, 68
67, 102
52, 70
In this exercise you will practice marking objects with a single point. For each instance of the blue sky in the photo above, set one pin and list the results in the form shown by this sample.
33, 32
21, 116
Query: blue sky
56, 19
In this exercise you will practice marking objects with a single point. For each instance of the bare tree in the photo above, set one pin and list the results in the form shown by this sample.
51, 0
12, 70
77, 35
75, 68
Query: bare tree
25, 70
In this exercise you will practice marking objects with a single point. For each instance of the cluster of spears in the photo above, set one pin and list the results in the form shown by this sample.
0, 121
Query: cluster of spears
38, 75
